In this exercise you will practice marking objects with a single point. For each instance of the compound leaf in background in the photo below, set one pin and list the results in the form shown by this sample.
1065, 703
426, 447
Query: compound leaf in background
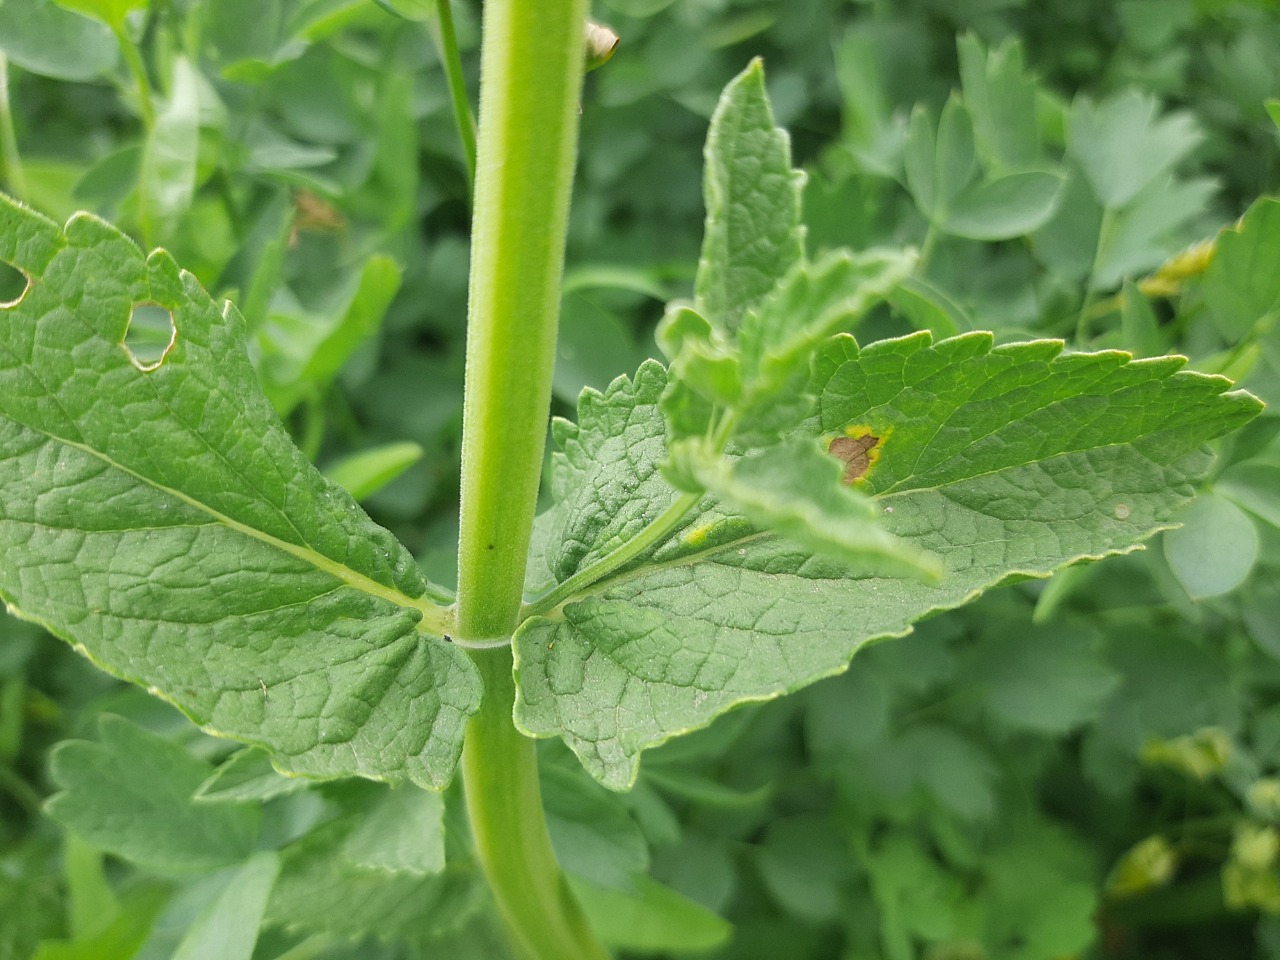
1215, 548
38, 36
651, 919
320, 890
753, 234
402, 833
130, 794
159, 518
1242, 284
1003, 462
1009, 206
1123, 146
365, 473
1001, 97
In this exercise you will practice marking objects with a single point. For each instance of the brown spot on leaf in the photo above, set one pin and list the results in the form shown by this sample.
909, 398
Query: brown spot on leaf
856, 455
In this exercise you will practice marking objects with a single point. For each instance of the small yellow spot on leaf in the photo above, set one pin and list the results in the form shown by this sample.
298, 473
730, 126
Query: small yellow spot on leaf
698, 535
1122, 511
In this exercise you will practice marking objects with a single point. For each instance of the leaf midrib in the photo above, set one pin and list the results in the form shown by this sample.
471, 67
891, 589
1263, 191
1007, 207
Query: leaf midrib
433, 619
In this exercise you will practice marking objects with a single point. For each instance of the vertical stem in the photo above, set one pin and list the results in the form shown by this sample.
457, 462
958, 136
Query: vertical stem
447, 44
504, 803
15, 180
133, 58
1083, 319
531, 76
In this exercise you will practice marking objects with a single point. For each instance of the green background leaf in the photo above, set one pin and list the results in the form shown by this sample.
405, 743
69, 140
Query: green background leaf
130, 793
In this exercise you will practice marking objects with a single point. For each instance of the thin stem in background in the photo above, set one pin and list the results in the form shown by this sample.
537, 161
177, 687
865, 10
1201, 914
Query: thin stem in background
1085, 317
14, 177
447, 46
138, 70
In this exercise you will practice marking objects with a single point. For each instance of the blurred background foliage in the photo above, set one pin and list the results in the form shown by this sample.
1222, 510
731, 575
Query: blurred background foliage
1084, 767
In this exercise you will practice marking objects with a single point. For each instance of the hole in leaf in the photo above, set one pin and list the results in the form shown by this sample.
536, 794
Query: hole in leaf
150, 336
14, 285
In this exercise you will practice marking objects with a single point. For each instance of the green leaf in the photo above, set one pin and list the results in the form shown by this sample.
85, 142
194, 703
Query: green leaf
246, 776
1011, 206
164, 523
319, 890
111, 12
940, 165
1004, 462
167, 176
402, 833
1242, 284
594, 836
811, 303
1001, 96
1215, 549
302, 352
702, 359
421, 11
928, 308
605, 478
654, 919
1151, 229
123, 936
365, 473
227, 929
794, 489
1254, 486
1049, 681
38, 36
1123, 145
1140, 332
130, 794
803, 869
753, 234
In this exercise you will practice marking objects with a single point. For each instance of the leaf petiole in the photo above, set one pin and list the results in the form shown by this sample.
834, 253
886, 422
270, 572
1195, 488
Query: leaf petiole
658, 528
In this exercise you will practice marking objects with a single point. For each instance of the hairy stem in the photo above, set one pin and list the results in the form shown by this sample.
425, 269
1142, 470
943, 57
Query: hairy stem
500, 769
531, 74
530, 79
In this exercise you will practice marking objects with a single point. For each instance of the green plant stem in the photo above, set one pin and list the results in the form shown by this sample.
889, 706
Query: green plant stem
14, 177
658, 528
138, 70
446, 39
504, 803
1084, 318
531, 75
530, 79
